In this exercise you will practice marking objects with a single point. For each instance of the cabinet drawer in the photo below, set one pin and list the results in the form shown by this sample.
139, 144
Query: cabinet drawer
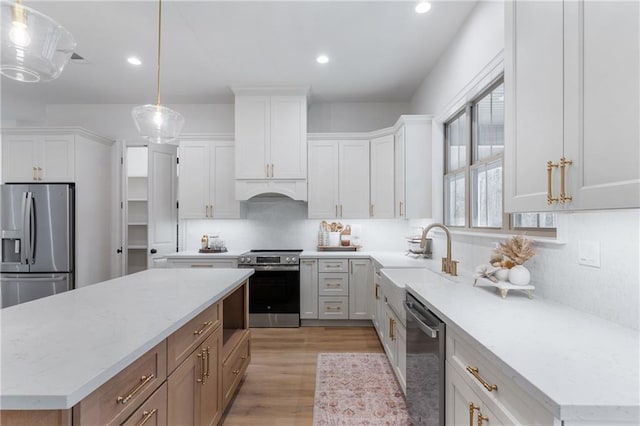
184, 341
333, 307
481, 373
152, 412
333, 265
114, 401
333, 284
235, 366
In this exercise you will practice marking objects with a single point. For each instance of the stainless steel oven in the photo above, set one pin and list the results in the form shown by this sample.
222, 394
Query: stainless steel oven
274, 288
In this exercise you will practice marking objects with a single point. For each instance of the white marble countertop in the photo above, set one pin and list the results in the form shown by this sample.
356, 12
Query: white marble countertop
580, 367
59, 349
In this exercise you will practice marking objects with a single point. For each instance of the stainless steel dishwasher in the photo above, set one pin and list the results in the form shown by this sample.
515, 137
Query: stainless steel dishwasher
425, 364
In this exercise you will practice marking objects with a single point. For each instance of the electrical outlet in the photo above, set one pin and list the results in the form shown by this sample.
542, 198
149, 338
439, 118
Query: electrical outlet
589, 253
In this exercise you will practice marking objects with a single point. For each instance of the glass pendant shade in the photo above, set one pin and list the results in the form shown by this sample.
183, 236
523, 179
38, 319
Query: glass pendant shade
157, 123
34, 47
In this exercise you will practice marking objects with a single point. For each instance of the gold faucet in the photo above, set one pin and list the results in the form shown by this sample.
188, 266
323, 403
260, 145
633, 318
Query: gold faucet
448, 266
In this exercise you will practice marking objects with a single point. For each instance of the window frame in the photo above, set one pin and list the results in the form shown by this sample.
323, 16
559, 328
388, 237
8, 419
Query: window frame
470, 109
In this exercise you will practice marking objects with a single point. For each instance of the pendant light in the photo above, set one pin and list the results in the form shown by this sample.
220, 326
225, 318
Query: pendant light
34, 47
157, 123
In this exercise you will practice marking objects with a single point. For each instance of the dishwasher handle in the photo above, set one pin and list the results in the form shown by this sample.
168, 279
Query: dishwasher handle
428, 330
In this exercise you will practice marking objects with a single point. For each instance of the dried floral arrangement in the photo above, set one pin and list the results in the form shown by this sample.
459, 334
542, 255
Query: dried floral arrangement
514, 251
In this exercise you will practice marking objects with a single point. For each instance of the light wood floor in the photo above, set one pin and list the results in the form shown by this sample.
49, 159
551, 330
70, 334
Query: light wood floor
279, 386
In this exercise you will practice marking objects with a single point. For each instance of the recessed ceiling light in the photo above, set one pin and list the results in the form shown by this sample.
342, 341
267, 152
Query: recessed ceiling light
423, 7
133, 60
322, 59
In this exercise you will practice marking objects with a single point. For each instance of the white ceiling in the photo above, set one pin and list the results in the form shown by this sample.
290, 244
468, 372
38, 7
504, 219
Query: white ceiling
380, 50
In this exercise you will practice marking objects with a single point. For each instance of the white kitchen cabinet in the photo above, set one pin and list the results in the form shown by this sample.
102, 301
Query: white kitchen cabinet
382, 177
38, 158
360, 280
412, 167
207, 181
270, 138
70, 155
568, 98
338, 179
394, 342
378, 303
308, 289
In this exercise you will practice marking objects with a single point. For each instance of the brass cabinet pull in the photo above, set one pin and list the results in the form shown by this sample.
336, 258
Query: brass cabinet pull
391, 333
487, 386
333, 266
208, 361
33, 173
472, 408
482, 418
144, 380
550, 167
333, 309
336, 210
267, 168
334, 285
340, 210
39, 173
371, 212
204, 326
377, 291
202, 380
146, 416
563, 193
272, 174
401, 205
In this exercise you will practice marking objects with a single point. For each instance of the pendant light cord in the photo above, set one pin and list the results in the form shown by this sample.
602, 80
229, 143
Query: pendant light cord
159, 41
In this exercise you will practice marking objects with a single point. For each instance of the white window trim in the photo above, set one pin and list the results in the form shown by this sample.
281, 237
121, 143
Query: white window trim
487, 75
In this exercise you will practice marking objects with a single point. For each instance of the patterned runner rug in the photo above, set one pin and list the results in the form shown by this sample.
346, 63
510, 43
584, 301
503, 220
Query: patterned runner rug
357, 389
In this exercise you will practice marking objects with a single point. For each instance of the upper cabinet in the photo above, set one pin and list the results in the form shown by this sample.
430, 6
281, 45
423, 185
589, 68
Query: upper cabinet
271, 150
572, 118
382, 177
412, 167
339, 179
38, 158
206, 187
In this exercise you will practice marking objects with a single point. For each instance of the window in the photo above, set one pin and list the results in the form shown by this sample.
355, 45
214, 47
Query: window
474, 151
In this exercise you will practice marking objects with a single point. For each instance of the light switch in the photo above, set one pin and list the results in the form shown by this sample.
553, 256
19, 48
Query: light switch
589, 253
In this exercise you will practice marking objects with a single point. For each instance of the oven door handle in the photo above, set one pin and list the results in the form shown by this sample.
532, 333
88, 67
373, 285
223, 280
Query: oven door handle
431, 332
269, 268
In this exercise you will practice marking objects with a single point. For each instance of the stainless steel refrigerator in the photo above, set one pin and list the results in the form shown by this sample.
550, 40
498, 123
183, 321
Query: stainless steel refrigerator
37, 241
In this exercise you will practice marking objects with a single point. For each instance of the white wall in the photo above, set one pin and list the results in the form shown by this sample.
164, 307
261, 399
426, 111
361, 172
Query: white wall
354, 117
611, 291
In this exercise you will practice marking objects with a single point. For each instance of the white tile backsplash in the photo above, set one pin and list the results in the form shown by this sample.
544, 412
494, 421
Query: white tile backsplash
611, 291
281, 223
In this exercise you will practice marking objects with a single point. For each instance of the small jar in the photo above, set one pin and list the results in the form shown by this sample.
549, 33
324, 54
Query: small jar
204, 242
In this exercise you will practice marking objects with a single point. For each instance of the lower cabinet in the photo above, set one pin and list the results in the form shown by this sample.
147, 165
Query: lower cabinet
377, 314
194, 387
479, 391
394, 342
152, 412
464, 406
336, 288
234, 367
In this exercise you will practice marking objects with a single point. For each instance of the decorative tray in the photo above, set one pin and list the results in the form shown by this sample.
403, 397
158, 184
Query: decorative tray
338, 248
503, 287
222, 250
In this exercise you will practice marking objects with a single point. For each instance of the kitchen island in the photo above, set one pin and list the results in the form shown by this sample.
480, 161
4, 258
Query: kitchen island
60, 351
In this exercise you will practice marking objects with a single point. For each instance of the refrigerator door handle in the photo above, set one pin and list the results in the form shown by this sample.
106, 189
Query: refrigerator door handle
26, 206
53, 279
32, 230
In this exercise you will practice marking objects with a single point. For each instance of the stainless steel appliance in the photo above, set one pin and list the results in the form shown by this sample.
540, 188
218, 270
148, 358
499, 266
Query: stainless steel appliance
425, 364
37, 237
274, 288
